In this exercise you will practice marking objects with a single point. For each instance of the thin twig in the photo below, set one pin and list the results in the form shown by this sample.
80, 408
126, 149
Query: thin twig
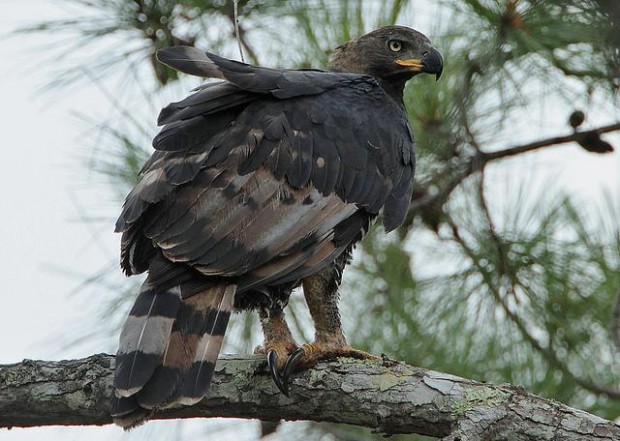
549, 354
548, 142
253, 58
236, 15
479, 160
615, 322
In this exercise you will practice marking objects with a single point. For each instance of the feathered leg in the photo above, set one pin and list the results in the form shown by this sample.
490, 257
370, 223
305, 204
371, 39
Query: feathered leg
279, 342
321, 293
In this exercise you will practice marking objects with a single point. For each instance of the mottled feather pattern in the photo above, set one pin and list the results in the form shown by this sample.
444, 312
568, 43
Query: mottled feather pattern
347, 123
256, 182
251, 210
296, 140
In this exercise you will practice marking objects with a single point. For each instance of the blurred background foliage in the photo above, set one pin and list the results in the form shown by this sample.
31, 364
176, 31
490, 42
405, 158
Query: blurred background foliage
493, 277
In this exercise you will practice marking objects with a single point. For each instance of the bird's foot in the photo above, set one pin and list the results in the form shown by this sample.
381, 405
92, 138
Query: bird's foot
310, 354
277, 356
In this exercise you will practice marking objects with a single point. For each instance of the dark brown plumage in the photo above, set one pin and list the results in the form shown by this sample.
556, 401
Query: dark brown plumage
259, 183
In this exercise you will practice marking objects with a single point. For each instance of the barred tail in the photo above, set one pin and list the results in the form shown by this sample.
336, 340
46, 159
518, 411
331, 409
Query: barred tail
168, 349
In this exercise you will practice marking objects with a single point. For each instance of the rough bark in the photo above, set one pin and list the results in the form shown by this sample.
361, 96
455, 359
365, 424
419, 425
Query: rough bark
390, 397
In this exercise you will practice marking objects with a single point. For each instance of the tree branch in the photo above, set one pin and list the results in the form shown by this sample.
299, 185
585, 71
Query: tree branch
548, 142
390, 398
481, 159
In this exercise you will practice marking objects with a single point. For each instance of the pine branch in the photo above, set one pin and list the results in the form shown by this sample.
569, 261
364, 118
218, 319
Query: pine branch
389, 398
548, 142
481, 159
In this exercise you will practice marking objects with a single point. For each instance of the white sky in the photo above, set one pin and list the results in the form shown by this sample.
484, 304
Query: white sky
41, 181
45, 190
43, 185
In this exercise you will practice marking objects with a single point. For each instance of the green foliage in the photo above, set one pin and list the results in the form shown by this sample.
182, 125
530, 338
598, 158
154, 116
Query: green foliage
560, 32
529, 304
122, 34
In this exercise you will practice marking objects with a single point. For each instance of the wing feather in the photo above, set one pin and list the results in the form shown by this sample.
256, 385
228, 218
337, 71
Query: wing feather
260, 170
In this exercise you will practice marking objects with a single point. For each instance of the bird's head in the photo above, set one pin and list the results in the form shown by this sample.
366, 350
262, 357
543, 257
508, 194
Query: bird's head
392, 54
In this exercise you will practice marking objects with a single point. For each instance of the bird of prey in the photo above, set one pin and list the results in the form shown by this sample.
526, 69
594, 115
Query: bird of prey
260, 183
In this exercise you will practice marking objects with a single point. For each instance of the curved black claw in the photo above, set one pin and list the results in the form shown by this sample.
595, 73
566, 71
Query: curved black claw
290, 366
272, 363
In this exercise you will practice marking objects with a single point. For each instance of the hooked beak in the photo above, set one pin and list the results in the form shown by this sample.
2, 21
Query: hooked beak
431, 63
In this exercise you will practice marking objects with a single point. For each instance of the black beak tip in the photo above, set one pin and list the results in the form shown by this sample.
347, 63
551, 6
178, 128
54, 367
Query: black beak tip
433, 63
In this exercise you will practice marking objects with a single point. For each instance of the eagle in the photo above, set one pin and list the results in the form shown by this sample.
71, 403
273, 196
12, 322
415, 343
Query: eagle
260, 183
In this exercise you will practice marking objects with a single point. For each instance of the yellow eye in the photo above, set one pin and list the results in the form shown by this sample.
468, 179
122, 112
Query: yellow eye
395, 45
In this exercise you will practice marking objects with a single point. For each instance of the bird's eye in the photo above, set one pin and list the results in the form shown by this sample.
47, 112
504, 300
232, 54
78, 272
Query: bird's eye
395, 45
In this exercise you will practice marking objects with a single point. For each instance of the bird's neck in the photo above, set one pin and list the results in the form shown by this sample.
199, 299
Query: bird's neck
394, 89
343, 60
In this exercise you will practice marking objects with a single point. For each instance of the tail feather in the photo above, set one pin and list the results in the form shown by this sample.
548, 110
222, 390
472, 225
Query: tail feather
144, 338
174, 370
197, 380
127, 414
